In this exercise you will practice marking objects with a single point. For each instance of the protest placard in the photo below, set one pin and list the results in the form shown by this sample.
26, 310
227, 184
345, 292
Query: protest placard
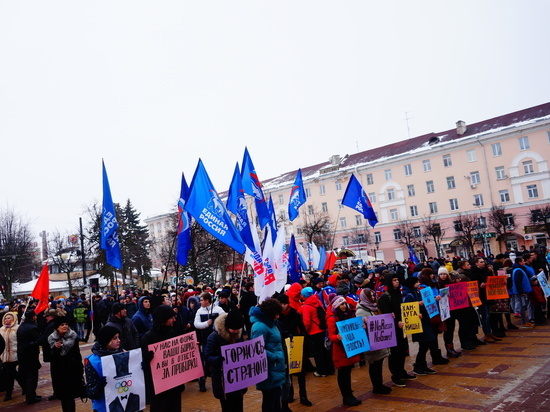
410, 313
429, 301
496, 288
295, 351
458, 295
125, 389
354, 337
473, 293
175, 361
543, 282
381, 331
444, 308
245, 364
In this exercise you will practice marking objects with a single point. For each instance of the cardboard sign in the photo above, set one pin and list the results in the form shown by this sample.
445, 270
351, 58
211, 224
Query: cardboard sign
458, 295
125, 389
410, 313
354, 337
473, 293
381, 331
295, 351
543, 282
245, 364
444, 308
176, 361
496, 288
429, 301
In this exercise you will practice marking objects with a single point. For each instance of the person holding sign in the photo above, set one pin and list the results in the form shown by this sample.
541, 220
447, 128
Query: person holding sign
479, 273
228, 329
339, 311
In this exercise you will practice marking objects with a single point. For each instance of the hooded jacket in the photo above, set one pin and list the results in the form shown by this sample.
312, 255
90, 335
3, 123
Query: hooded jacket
294, 294
129, 338
10, 338
310, 315
143, 319
520, 280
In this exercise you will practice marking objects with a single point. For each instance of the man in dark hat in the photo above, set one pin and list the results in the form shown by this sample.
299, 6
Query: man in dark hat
224, 302
129, 337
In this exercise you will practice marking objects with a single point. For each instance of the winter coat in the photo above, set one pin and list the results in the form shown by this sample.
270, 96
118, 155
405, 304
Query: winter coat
143, 319
372, 355
310, 315
294, 294
10, 338
263, 326
427, 334
201, 321
213, 357
131, 309
28, 348
95, 380
129, 338
66, 366
520, 281
46, 350
339, 356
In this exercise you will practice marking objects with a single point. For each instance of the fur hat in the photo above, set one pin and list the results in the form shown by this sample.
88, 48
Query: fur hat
58, 320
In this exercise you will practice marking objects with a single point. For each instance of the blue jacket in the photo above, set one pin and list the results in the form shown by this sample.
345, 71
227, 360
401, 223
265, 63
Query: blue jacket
142, 320
520, 280
263, 326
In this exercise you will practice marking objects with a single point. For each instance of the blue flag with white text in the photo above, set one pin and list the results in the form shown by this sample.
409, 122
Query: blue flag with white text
236, 204
184, 225
206, 207
297, 196
356, 198
253, 187
272, 220
294, 266
109, 225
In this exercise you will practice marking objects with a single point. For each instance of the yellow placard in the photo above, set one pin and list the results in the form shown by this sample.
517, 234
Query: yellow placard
410, 314
295, 351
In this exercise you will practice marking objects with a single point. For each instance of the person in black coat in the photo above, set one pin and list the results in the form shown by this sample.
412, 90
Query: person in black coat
28, 351
248, 300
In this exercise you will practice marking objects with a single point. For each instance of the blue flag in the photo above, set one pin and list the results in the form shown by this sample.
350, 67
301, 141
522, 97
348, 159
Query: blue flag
294, 266
297, 196
184, 225
109, 225
205, 206
236, 204
323, 259
356, 198
272, 220
253, 187
412, 256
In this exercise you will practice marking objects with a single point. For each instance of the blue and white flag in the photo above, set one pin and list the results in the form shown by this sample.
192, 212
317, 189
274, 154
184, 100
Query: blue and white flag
206, 207
272, 220
109, 225
322, 258
294, 266
184, 225
236, 204
412, 256
356, 198
253, 187
297, 196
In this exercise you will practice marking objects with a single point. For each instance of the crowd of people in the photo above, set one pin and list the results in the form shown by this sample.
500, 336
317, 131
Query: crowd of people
227, 314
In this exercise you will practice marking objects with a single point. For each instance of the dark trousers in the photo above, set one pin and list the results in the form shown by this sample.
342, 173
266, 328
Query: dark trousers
233, 404
271, 399
448, 335
375, 373
68, 405
11, 374
398, 355
30, 382
423, 348
344, 381
320, 353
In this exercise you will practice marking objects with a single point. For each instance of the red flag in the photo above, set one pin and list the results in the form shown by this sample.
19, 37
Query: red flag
41, 290
331, 260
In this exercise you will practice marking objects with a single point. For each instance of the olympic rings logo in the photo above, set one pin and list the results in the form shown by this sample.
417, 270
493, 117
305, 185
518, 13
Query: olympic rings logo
123, 386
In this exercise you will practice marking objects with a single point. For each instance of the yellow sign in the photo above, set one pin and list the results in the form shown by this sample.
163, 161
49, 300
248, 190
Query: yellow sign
410, 313
295, 350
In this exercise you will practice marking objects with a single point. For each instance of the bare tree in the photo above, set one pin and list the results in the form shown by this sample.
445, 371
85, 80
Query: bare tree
64, 255
467, 227
318, 227
500, 221
406, 235
434, 232
541, 218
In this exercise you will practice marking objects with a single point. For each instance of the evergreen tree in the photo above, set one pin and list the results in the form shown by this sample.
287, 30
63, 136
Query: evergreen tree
134, 240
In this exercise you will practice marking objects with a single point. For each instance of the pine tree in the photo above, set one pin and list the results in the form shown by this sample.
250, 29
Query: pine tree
135, 242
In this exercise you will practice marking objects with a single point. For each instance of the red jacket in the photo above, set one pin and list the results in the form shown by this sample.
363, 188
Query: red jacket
310, 316
338, 352
294, 294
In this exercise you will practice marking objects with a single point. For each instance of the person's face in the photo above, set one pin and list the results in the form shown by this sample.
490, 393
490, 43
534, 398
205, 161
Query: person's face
204, 303
234, 331
466, 265
147, 304
395, 283
191, 304
123, 313
480, 263
114, 343
417, 285
170, 321
235, 291
166, 301
8, 320
342, 306
443, 276
63, 328
285, 306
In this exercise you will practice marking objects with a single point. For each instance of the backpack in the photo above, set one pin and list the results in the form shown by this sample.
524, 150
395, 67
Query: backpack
321, 314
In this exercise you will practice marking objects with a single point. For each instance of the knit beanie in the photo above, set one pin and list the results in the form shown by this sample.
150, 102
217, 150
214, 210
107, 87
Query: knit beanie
338, 301
117, 307
163, 312
105, 334
234, 320
307, 292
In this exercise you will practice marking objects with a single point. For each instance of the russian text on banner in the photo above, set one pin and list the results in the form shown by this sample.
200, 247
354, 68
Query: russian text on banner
410, 313
473, 293
245, 364
125, 389
295, 351
176, 361
458, 295
429, 301
444, 308
496, 288
354, 337
381, 331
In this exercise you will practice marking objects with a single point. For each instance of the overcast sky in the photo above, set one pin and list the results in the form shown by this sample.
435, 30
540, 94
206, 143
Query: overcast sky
152, 86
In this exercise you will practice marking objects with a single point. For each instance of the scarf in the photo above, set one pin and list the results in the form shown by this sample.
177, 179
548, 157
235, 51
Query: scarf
68, 341
366, 302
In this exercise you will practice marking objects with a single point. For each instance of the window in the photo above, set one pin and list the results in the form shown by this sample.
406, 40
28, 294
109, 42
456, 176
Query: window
501, 174
536, 216
322, 190
408, 169
504, 196
361, 238
427, 165
338, 185
370, 180
308, 192
281, 200
396, 234
509, 220
282, 214
454, 204
481, 222
343, 223
416, 231
451, 182
324, 207
410, 190
391, 194
393, 214
436, 229
372, 197
299, 230
447, 162
345, 241
523, 143
309, 209
496, 149
472, 156
340, 205
433, 207
358, 220
532, 191
478, 200
458, 226
387, 174
414, 211
474, 178
528, 167
377, 237
430, 186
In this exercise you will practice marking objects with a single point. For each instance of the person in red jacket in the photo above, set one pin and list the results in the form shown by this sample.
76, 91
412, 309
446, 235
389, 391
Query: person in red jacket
338, 311
294, 294
314, 318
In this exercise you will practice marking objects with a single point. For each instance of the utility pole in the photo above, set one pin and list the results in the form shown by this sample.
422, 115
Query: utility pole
83, 255
407, 118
